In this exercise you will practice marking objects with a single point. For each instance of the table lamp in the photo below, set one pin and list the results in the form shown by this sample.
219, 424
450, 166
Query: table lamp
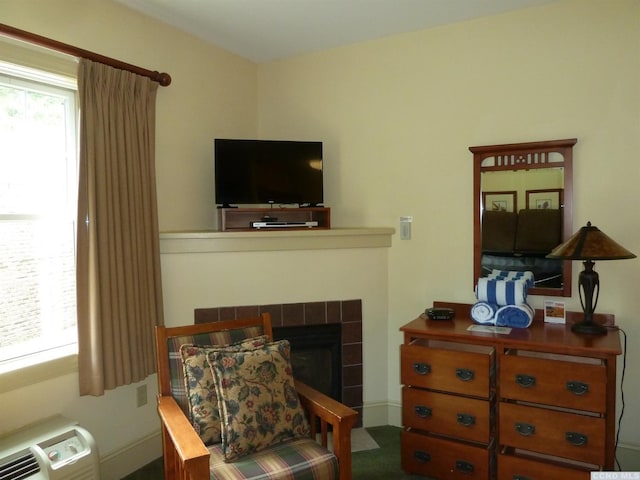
589, 244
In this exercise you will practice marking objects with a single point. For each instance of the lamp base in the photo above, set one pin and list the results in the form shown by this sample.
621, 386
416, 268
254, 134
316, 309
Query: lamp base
589, 328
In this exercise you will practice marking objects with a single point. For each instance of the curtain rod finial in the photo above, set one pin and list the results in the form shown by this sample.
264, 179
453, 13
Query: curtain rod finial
163, 79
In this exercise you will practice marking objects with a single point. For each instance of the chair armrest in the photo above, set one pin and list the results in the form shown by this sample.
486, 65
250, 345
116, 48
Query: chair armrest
331, 412
185, 453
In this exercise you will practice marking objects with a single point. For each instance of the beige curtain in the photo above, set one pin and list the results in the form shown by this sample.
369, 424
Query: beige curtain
118, 259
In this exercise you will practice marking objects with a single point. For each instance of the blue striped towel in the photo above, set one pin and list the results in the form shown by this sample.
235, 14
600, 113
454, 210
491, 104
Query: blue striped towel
512, 275
484, 313
502, 292
516, 316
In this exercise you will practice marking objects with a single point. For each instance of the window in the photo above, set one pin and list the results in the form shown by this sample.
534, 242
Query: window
38, 190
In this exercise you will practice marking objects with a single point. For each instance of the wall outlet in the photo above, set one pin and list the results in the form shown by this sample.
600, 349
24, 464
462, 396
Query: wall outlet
141, 395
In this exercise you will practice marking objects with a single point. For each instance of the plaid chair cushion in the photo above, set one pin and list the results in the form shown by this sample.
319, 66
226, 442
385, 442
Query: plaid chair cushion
227, 337
301, 459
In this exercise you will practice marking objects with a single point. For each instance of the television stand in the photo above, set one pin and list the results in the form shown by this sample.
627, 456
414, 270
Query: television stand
253, 219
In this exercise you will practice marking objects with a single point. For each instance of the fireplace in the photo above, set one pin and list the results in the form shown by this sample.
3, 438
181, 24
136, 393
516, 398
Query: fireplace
316, 355
294, 318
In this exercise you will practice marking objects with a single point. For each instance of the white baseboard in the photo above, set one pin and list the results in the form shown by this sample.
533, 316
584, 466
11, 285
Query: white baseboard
395, 414
381, 413
629, 458
130, 458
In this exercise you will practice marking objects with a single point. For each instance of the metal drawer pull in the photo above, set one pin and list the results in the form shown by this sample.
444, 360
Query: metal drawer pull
577, 439
578, 388
525, 429
422, 368
422, 411
520, 477
464, 467
466, 419
525, 381
422, 457
464, 374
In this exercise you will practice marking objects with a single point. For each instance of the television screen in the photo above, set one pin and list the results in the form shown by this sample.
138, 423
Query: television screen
268, 171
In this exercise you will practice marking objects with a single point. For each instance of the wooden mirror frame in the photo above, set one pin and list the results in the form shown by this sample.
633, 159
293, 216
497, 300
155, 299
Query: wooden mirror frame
524, 156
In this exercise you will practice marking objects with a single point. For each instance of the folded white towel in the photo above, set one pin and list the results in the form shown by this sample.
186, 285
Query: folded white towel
502, 292
484, 313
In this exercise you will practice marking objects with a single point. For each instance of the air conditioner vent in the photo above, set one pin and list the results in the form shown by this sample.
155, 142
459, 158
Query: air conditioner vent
20, 467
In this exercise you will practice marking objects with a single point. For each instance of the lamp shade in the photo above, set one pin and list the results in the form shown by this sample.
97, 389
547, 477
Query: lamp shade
589, 243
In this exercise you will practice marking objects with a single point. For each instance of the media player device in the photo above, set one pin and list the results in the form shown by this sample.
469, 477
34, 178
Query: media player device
262, 224
440, 313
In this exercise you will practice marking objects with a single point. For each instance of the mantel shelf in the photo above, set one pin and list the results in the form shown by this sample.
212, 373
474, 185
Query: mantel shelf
209, 241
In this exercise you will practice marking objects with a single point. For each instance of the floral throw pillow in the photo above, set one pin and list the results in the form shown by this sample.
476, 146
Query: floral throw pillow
200, 387
258, 403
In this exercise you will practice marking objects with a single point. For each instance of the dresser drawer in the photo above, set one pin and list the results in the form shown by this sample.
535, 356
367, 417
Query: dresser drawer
444, 459
562, 434
449, 367
451, 415
516, 468
568, 384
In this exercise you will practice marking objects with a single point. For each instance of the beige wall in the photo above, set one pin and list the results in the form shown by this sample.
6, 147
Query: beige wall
397, 116
213, 93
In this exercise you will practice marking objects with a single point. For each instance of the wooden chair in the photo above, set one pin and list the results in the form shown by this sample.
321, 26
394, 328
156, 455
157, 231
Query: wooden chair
185, 455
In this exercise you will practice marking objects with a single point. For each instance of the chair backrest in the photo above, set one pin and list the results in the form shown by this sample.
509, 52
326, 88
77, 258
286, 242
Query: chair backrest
539, 230
170, 339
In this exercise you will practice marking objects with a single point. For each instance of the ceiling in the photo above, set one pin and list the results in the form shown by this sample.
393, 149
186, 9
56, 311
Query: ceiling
267, 30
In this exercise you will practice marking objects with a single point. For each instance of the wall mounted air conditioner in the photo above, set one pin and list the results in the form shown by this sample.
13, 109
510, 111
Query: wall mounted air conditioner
53, 449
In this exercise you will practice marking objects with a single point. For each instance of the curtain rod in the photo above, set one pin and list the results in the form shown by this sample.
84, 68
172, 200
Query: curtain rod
163, 79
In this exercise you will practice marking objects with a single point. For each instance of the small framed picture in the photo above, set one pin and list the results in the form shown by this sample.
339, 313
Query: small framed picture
506, 201
545, 199
554, 312
543, 203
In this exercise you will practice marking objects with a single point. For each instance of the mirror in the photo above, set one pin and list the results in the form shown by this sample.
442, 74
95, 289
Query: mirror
522, 197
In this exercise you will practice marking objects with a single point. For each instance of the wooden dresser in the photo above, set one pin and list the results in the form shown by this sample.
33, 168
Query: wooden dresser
534, 404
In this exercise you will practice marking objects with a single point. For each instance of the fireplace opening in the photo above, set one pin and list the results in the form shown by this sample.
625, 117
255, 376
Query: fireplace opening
316, 355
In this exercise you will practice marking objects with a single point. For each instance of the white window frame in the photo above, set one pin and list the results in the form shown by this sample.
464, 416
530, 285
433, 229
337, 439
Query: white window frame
44, 364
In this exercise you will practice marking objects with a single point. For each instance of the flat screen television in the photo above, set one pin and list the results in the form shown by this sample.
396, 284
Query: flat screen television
268, 172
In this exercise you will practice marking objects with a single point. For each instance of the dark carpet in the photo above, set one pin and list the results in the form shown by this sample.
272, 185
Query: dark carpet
379, 464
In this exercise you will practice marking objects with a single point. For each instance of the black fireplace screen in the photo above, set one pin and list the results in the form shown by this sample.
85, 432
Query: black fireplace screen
316, 355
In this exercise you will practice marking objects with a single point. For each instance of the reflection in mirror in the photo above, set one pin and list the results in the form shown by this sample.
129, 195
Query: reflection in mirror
522, 210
